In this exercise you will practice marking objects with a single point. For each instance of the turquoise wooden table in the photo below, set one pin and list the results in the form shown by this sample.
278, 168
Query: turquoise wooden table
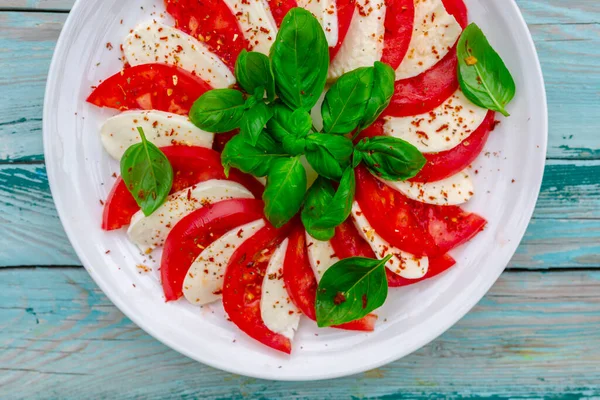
535, 335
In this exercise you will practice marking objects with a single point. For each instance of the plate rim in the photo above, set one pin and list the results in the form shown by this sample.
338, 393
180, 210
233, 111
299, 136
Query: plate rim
162, 338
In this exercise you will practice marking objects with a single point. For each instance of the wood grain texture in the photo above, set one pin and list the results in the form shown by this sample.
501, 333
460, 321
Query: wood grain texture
567, 39
564, 233
62, 338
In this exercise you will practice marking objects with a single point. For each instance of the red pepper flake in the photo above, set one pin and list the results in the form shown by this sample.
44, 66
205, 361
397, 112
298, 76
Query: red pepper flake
101, 202
339, 298
109, 46
364, 301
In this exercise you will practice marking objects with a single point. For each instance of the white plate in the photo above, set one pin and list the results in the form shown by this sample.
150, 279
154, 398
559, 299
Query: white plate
80, 175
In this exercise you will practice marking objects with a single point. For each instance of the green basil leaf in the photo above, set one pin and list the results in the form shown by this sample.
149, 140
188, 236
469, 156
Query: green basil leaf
287, 122
318, 198
381, 95
254, 121
256, 160
294, 145
329, 155
390, 158
284, 193
300, 59
218, 110
344, 106
253, 71
350, 290
147, 173
324, 208
483, 76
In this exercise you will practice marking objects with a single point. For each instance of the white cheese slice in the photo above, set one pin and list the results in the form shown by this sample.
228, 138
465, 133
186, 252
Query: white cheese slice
444, 128
434, 33
326, 13
454, 190
320, 255
204, 281
148, 232
153, 42
363, 44
402, 263
277, 310
256, 23
160, 128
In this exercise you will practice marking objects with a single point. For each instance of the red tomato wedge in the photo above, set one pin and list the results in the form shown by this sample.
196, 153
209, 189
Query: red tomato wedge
424, 92
221, 139
447, 163
242, 288
449, 226
301, 283
345, 11
191, 165
211, 22
347, 242
197, 230
150, 87
417, 228
279, 8
428, 90
391, 215
399, 22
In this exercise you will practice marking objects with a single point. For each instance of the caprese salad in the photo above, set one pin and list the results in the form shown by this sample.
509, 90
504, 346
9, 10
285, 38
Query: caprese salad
300, 156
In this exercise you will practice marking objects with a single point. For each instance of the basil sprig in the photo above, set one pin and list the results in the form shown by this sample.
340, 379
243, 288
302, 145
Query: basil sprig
389, 157
277, 136
300, 59
218, 110
253, 71
351, 289
326, 208
284, 193
147, 173
483, 76
357, 98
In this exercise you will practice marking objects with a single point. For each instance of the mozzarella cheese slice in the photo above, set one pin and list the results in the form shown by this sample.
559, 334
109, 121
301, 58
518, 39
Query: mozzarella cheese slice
160, 128
256, 23
204, 280
441, 129
153, 42
325, 11
363, 44
455, 190
320, 255
434, 33
278, 312
402, 263
148, 232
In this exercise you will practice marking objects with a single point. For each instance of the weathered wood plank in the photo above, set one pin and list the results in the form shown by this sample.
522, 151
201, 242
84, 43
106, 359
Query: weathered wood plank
58, 5
569, 50
533, 335
565, 232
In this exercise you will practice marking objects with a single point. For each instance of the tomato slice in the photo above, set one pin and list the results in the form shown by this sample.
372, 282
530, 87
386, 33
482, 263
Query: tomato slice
191, 165
345, 11
211, 22
424, 92
197, 230
417, 228
347, 242
302, 285
242, 288
449, 226
447, 163
279, 8
399, 22
392, 216
150, 87
221, 139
